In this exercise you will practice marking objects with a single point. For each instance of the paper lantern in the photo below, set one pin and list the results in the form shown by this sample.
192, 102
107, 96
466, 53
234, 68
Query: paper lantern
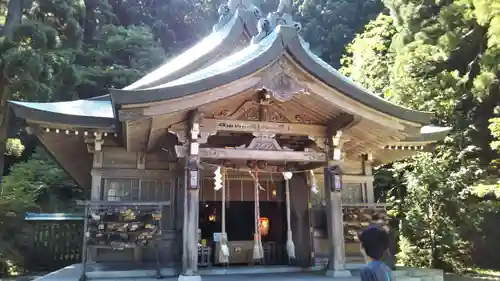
264, 226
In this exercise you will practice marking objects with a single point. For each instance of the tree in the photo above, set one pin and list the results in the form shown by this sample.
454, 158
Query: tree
433, 213
116, 57
176, 24
442, 57
491, 185
369, 56
43, 183
330, 25
63, 50
34, 62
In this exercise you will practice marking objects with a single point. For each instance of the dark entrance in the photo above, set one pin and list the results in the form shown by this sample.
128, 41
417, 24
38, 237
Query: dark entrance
240, 230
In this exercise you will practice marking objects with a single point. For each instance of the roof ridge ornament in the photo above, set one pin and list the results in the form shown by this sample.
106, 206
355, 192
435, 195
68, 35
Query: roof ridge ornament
227, 10
282, 16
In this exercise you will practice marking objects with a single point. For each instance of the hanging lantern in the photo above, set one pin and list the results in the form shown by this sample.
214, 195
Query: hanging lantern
217, 179
212, 218
264, 226
335, 177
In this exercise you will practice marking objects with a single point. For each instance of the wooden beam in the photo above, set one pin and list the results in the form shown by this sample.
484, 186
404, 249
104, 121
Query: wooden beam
341, 122
155, 132
244, 154
134, 173
238, 126
71, 154
137, 134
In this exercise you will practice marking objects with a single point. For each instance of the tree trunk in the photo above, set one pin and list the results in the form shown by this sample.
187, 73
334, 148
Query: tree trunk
4, 125
14, 16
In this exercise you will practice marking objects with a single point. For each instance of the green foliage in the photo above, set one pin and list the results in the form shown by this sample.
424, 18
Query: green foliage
40, 181
438, 56
13, 235
369, 56
14, 147
119, 56
330, 25
175, 24
495, 131
491, 185
433, 212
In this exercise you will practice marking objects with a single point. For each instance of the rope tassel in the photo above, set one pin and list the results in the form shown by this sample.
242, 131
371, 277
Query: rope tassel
224, 249
258, 251
290, 247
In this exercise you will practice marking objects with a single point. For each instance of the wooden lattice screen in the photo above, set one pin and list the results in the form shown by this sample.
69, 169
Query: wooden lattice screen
55, 244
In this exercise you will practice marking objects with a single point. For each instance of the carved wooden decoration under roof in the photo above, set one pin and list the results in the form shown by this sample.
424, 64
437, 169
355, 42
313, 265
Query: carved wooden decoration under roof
264, 143
260, 148
281, 81
252, 110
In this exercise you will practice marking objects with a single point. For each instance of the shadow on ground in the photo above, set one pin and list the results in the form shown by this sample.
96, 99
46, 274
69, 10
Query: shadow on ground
472, 277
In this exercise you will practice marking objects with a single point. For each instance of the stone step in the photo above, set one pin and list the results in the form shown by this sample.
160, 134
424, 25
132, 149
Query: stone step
400, 273
406, 278
396, 273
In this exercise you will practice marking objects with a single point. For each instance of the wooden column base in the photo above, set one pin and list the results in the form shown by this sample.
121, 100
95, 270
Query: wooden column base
338, 273
189, 278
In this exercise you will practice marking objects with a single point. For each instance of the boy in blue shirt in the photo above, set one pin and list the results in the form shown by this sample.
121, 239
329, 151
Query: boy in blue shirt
374, 243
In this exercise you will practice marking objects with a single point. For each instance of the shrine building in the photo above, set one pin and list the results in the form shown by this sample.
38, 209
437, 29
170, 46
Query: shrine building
258, 152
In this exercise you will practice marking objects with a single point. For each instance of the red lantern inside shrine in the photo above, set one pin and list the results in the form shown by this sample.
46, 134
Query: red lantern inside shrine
264, 226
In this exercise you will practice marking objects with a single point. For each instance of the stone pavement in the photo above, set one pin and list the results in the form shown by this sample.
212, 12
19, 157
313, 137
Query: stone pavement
255, 277
72, 273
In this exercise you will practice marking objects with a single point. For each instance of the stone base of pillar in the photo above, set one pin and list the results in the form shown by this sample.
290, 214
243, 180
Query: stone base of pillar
189, 278
338, 273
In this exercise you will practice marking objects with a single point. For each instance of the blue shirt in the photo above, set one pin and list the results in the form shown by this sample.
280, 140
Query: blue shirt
376, 271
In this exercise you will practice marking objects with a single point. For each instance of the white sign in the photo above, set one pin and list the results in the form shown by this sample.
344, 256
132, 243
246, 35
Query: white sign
217, 236
193, 179
338, 183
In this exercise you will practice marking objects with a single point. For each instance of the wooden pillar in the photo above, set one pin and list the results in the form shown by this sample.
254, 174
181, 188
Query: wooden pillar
333, 188
300, 219
141, 165
191, 204
96, 189
367, 168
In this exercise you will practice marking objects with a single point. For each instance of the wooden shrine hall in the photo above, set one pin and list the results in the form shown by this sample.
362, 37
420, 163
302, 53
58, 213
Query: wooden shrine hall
256, 151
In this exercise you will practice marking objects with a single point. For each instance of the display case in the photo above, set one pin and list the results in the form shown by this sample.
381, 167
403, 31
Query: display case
119, 226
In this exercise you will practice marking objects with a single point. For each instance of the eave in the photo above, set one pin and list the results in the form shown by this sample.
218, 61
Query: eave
85, 114
428, 134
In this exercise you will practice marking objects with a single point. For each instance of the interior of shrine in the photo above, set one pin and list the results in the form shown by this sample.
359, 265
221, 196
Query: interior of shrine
240, 216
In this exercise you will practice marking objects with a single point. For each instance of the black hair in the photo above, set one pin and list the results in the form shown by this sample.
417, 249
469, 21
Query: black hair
375, 242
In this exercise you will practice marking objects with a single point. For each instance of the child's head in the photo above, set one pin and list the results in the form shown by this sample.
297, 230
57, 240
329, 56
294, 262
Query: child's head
374, 242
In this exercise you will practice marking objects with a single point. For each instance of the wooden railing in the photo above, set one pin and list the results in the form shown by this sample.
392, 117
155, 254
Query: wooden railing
357, 217
56, 242
367, 205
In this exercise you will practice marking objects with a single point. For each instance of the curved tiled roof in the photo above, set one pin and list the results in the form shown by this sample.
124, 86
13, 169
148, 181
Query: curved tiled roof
255, 57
